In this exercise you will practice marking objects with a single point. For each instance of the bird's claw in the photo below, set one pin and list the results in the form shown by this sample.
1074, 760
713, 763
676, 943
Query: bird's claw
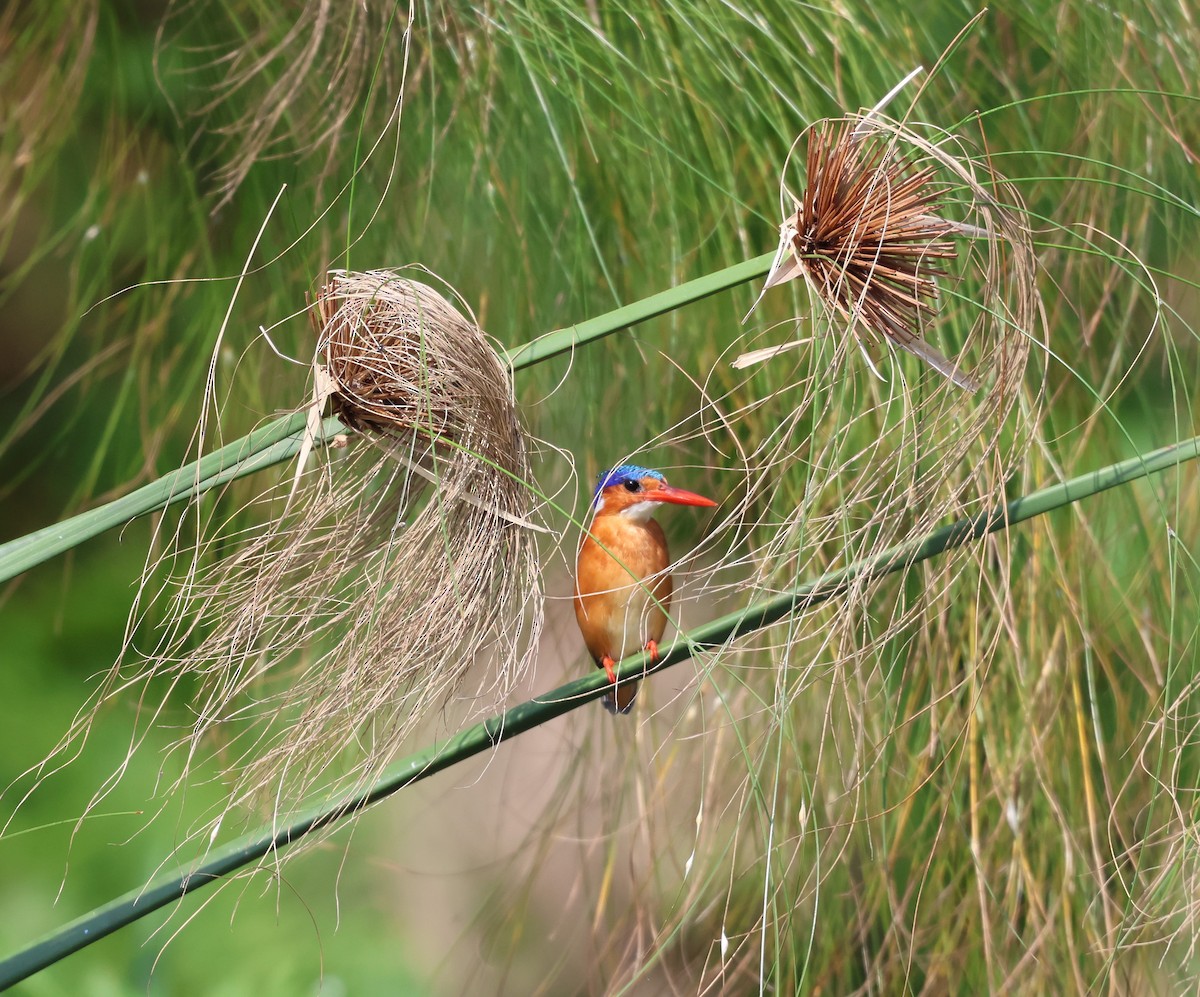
652, 650
609, 667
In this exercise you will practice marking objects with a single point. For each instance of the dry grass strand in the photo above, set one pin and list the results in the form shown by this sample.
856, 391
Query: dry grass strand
395, 584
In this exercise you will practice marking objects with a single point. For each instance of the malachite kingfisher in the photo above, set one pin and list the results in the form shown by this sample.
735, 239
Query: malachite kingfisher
622, 586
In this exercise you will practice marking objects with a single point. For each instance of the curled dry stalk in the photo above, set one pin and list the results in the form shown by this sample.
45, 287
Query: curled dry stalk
318, 643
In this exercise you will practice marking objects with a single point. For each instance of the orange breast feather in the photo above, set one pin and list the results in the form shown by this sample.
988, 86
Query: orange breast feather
617, 614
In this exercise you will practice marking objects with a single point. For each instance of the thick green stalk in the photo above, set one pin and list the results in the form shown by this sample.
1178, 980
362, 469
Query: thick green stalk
484, 736
261, 448
281, 440
564, 340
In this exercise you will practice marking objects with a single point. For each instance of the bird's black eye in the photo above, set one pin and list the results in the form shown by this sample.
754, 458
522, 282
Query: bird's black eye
633, 485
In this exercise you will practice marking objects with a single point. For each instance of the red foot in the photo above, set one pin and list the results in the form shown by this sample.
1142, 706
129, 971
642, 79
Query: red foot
609, 665
652, 648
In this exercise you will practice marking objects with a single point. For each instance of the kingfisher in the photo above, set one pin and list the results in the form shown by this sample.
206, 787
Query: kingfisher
622, 586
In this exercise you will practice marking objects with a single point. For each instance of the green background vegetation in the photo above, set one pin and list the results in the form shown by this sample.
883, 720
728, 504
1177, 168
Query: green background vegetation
552, 162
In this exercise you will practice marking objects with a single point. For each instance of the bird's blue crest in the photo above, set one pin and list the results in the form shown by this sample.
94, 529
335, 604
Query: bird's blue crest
619, 475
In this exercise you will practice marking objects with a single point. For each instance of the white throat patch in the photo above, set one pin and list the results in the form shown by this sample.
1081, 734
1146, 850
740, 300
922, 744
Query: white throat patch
640, 512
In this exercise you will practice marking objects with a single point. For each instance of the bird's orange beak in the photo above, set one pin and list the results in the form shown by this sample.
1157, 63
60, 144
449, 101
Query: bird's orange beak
678, 496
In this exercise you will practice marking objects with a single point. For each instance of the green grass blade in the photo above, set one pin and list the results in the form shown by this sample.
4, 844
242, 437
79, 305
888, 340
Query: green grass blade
564, 340
264, 446
541, 709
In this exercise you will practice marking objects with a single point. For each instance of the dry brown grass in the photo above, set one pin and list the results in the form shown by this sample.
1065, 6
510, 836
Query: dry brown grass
314, 69
394, 582
868, 236
876, 232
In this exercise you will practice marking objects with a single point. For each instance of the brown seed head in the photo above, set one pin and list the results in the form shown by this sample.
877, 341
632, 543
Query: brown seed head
872, 236
867, 230
405, 362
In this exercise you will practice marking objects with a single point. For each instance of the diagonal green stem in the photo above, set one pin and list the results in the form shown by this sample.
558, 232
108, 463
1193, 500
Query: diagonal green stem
261, 448
281, 440
564, 340
484, 736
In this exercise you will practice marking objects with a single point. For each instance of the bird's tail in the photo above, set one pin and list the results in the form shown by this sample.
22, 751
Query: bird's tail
619, 699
